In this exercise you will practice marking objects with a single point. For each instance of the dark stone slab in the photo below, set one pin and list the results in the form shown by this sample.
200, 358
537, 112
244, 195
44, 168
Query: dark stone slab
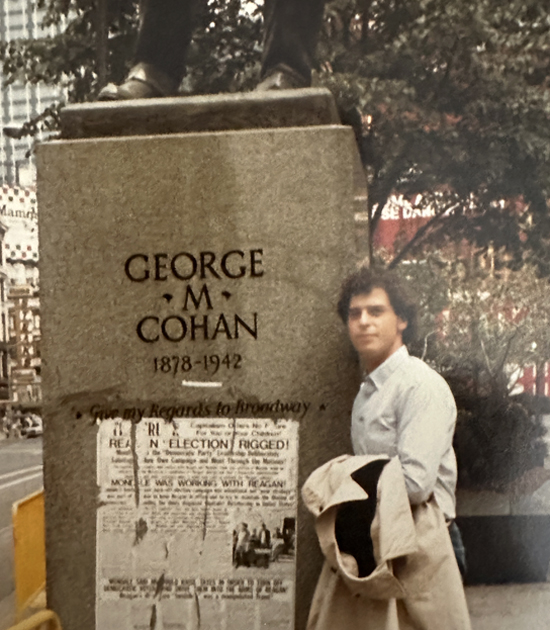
219, 112
506, 549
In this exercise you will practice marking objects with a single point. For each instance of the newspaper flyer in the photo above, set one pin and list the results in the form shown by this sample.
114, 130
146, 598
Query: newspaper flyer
196, 524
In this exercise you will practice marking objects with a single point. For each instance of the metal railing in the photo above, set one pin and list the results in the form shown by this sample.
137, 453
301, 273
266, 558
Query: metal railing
45, 618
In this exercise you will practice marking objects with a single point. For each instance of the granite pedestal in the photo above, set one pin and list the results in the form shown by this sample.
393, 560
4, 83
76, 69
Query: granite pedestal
194, 368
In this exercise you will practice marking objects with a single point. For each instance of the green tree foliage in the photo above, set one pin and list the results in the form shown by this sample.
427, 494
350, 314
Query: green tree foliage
454, 96
479, 325
459, 104
96, 41
481, 317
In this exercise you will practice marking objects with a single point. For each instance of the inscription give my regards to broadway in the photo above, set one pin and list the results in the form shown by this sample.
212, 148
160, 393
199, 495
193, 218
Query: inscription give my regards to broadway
202, 308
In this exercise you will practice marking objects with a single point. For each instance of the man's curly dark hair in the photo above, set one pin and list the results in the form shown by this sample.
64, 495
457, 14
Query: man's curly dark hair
364, 280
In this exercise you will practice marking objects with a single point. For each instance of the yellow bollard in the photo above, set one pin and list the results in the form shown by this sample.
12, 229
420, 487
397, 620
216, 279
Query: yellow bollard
37, 620
29, 549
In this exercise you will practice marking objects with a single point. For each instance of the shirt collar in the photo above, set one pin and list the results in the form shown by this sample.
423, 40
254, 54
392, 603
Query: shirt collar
383, 372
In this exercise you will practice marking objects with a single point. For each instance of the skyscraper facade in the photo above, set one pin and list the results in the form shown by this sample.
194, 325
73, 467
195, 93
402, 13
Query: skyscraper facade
19, 102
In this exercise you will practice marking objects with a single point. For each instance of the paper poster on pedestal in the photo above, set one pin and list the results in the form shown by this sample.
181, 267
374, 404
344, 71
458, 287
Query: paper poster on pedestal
196, 524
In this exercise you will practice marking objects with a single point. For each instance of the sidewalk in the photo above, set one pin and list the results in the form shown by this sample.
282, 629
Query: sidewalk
506, 607
509, 606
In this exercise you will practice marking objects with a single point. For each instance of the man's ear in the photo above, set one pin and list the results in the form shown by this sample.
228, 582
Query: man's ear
401, 324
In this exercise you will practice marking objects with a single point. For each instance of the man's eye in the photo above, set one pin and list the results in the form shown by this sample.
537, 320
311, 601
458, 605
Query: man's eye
354, 313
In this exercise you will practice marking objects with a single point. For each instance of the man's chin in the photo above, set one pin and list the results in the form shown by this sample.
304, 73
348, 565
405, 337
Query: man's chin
367, 347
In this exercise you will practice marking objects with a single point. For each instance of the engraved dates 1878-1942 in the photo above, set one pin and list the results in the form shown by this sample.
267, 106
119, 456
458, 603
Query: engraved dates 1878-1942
210, 363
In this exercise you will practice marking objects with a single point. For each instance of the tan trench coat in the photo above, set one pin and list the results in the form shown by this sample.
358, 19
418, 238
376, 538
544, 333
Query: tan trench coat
416, 584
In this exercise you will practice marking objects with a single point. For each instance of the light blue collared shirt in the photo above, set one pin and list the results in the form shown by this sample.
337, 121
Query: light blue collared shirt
405, 408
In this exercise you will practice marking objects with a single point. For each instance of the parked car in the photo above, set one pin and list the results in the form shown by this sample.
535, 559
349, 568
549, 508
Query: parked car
31, 426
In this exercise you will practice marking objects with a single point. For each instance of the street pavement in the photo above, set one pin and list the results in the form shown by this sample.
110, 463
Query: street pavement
20, 475
509, 607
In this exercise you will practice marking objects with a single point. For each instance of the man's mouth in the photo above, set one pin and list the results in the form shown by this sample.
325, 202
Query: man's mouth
367, 337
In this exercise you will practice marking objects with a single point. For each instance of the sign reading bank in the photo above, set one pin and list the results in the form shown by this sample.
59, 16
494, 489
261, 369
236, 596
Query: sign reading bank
400, 221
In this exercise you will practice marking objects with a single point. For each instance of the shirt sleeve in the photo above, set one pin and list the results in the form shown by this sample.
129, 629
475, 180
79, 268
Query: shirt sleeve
425, 434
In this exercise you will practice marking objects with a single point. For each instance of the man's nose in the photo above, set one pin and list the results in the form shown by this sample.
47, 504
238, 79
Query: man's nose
364, 319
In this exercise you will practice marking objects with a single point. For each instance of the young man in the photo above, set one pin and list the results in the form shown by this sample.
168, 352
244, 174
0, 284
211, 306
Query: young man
403, 408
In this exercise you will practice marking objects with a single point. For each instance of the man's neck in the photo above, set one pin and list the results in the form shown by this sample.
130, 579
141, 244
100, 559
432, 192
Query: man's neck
371, 366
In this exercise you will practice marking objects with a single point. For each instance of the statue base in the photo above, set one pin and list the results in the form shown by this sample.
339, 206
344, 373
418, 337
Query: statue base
194, 367
186, 114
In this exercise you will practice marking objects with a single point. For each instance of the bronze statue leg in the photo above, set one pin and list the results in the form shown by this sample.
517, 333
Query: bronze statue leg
291, 31
290, 37
165, 32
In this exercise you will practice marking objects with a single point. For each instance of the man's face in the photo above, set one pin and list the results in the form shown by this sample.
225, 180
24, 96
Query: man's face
376, 332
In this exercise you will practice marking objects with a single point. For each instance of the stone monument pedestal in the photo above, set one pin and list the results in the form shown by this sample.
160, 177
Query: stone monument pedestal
194, 368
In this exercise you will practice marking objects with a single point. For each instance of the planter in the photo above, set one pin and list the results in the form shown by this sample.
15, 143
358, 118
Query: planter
507, 548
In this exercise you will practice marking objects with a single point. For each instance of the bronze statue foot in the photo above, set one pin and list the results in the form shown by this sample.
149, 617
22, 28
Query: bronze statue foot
143, 81
282, 77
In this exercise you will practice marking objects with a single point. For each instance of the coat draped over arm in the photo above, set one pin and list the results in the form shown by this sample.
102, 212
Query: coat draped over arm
414, 584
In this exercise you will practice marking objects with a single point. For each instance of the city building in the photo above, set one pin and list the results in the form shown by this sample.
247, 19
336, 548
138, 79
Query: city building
20, 296
4, 322
19, 279
20, 19
24, 345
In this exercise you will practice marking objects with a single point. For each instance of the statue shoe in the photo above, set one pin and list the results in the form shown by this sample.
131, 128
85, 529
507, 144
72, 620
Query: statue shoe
282, 77
143, 81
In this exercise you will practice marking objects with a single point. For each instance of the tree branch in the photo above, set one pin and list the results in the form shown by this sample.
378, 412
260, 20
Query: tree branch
102, 37
416, 239
365, 18
502, 362
386, 187
425, 349
487, 360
